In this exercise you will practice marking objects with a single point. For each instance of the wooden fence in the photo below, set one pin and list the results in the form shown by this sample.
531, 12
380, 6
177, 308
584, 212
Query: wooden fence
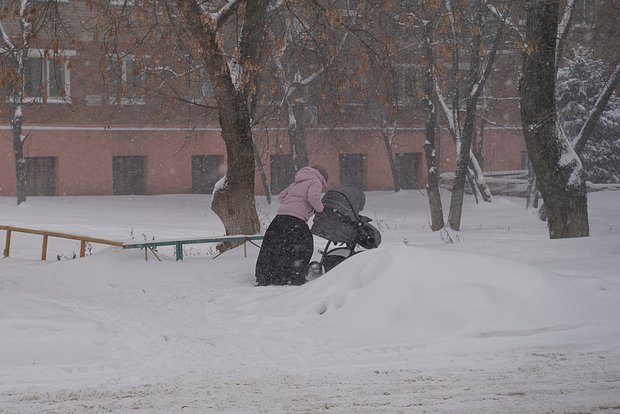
178, 244
47, 234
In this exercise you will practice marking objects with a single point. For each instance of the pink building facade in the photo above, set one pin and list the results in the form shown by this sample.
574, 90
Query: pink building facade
90, 160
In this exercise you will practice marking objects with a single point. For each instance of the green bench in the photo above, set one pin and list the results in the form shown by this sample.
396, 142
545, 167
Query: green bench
178, 244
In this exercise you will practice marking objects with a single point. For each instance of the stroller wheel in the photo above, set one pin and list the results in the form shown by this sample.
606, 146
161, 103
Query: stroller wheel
315, 269
331, 261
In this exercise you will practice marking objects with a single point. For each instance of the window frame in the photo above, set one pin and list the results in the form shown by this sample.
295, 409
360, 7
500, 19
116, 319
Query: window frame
406, 82
124, 99
45, 55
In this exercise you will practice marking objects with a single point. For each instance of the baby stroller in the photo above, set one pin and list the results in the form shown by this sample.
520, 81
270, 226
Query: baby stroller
342, 225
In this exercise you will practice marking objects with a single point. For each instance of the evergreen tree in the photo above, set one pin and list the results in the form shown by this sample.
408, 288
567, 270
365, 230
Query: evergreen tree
578, 87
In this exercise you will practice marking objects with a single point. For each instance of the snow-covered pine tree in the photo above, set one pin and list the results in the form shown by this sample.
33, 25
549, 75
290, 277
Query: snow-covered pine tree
579, 84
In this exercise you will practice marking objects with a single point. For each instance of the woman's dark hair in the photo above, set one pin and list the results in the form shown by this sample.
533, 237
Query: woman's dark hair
322, 170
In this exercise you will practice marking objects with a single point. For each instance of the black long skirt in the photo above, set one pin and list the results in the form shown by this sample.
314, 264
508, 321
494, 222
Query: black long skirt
285, 252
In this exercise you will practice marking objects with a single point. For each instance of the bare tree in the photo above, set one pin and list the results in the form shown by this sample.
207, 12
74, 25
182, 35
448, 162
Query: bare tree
187, 43
34, 24
480, 67
429, 104
579, 142
424, 20
558, 168
308, 43
235, 74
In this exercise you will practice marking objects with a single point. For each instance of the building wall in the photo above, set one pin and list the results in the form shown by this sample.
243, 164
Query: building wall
84, 154
84, 157
503, 149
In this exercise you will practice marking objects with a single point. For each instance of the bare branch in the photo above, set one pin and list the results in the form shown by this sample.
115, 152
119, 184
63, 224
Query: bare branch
505, 19
6, 38
563, 29
477, 89
581, 139
225, 12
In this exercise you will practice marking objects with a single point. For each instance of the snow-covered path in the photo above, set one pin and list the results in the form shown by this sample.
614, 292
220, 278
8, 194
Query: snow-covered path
501, 319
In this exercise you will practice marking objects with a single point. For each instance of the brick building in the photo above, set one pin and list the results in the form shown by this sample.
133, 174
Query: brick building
85, 140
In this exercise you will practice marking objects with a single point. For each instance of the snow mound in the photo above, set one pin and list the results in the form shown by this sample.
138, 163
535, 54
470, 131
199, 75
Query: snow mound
413, 294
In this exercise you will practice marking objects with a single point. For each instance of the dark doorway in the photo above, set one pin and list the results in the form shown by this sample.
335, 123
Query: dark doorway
352, 170
282, 172
408, 170
128, 174
40, 176
205, 173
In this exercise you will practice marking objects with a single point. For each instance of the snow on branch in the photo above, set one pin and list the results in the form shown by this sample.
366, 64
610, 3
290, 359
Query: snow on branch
452, 125
505, 19
563, 29
6, 38
225, 12
452, 19
484, 76
580, 140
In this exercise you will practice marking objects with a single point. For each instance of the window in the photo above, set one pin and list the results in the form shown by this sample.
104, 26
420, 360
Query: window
128, 175
354, 90
40, 176
352, 170
282, 172
408, 170
199, 86
126, 82
205, 173
47, 76
405, 83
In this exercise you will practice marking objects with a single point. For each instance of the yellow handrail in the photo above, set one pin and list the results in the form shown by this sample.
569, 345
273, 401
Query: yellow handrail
46, 234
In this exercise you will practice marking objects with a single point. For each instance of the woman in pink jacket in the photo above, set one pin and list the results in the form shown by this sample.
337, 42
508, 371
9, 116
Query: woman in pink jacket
288, 245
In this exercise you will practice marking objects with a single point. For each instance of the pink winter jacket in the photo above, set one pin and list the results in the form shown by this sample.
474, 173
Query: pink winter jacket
303, 198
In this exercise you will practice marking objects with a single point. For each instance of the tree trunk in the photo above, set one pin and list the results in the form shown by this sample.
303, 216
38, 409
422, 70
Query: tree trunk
297, 134
432, 186
559, 173
387, 135
20, 161
233, 201
532, 190
460, 173
261, 172
464, 153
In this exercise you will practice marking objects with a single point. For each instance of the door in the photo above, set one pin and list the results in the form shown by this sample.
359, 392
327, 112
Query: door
128, 174
40, 176
282, 172
408, 170
205, 173
352, 170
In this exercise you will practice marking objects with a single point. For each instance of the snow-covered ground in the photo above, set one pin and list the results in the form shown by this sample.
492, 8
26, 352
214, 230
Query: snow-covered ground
495, 318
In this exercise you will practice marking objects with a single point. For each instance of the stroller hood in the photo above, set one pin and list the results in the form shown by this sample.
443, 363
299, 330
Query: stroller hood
341, 222
348, 201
